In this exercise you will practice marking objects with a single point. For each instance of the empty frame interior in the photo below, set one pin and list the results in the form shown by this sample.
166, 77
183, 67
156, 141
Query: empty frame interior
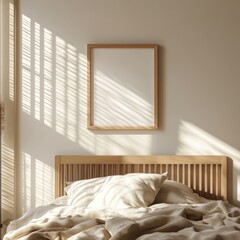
206, 175
123, 86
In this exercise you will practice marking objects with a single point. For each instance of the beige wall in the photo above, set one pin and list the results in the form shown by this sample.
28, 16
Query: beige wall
199, 82
9, 131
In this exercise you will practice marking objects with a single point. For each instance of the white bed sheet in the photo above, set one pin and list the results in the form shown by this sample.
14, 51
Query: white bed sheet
216, 219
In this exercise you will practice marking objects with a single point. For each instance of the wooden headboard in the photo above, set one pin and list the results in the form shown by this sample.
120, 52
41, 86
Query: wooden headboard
206, 175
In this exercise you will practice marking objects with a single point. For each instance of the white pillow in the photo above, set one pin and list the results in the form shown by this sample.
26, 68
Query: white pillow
173, 192
130, 190
82, 192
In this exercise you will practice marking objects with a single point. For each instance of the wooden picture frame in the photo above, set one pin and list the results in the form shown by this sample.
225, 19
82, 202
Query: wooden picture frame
122, 86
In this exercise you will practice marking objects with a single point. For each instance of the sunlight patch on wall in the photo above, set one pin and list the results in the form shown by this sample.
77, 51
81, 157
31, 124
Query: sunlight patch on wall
37, 179
66, 89
60, 113
86, 138
195, 141
71, 91
44, 178
54, 93
37, 71
48, 78
11, 52
8, 181
26, 182
54, 90
26, 64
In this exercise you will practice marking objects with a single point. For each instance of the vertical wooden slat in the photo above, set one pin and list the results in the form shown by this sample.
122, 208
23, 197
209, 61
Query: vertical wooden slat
161, 168
200, 177
64, 174
197, 177
168, 166
189, 175
184, 174
178, 172
172, 171
218, 180
58, 186
224, 181
206, 179
214, 180
194, 176
211, 179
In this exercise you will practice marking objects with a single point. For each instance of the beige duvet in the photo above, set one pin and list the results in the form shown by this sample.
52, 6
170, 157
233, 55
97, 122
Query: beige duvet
211, 220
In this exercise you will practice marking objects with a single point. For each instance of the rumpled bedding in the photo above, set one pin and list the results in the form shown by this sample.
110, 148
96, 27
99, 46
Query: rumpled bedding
209, 220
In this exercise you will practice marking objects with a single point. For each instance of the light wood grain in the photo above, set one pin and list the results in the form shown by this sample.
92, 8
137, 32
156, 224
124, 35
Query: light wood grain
206, 175
90, 98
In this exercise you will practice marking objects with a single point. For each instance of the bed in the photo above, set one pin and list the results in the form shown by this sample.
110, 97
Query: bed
134, 197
